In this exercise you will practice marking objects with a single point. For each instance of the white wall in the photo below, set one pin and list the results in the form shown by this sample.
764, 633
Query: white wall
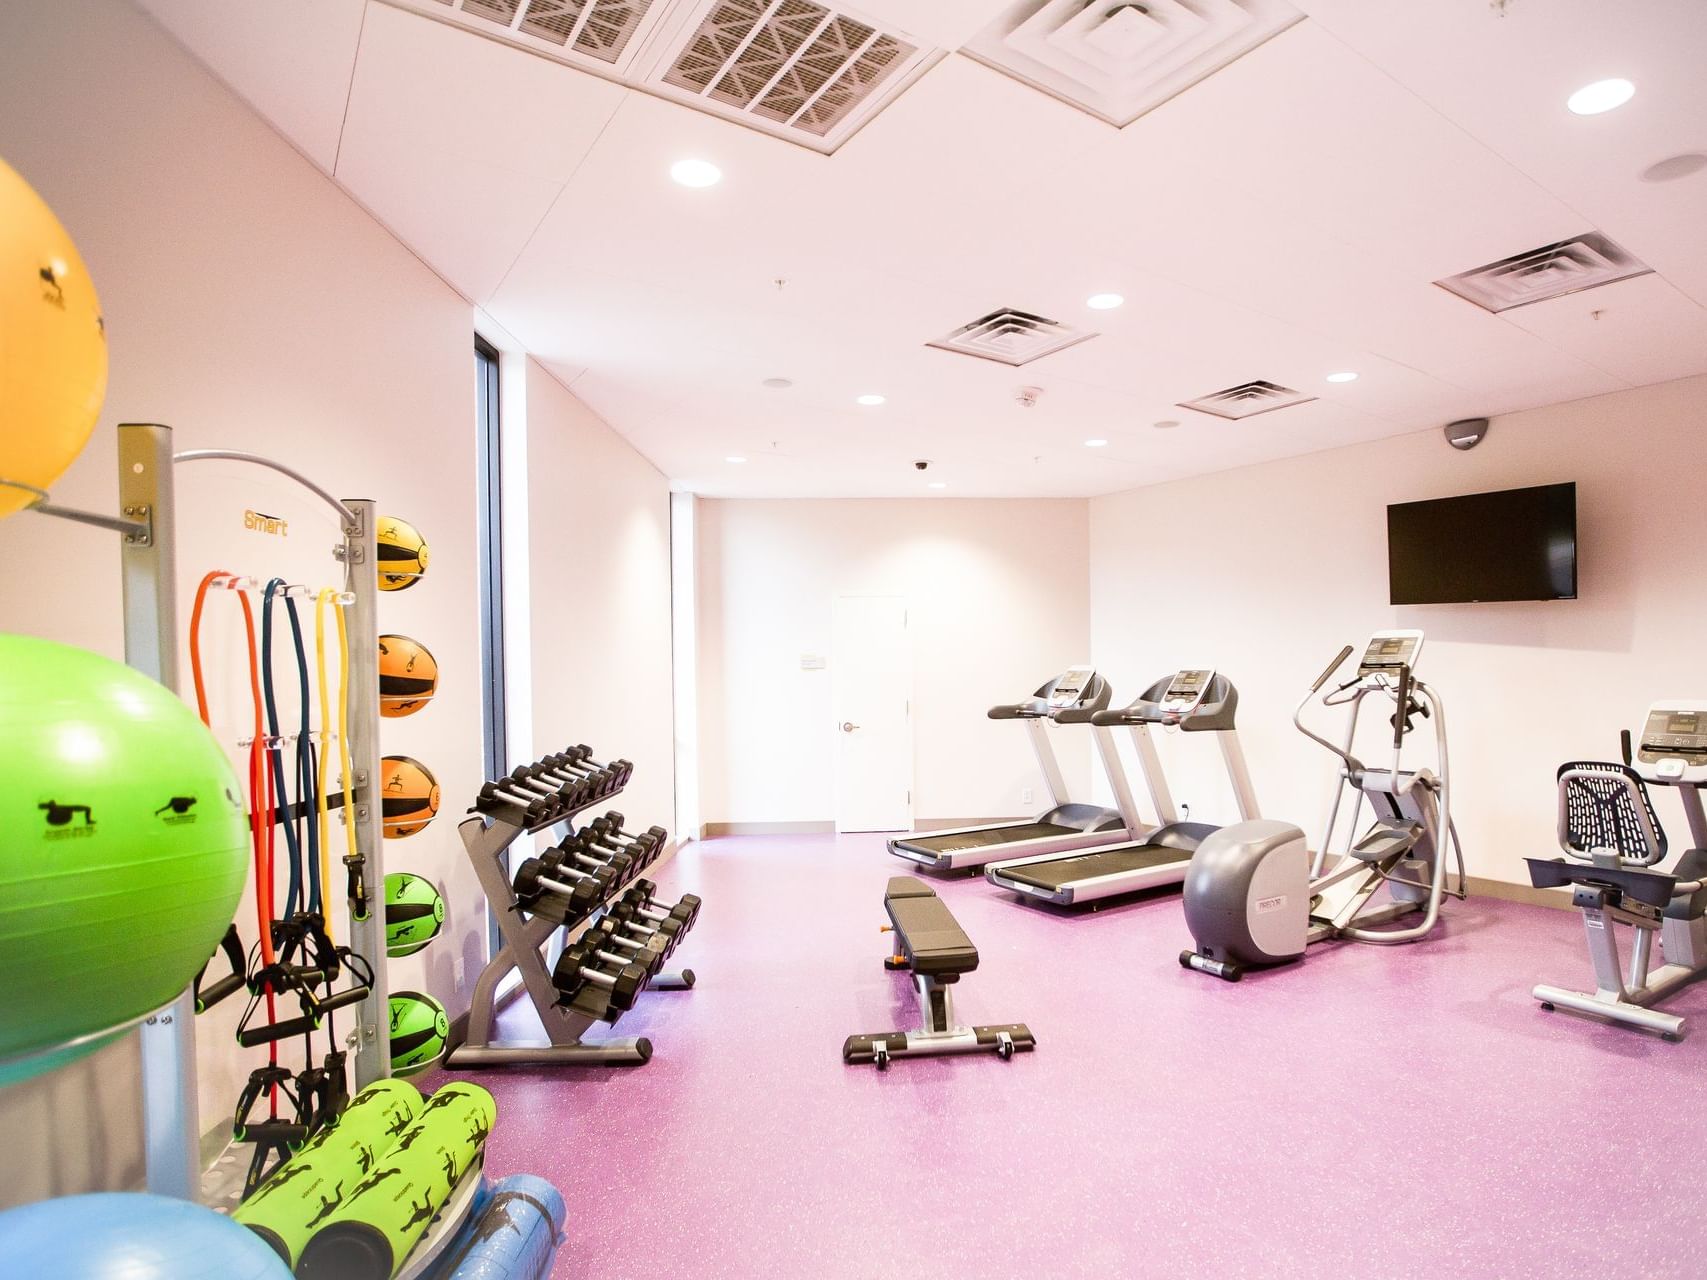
997, 597
251, 305
600, 598
1266, 571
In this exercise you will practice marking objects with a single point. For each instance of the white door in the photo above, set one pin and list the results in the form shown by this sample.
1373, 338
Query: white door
871, 668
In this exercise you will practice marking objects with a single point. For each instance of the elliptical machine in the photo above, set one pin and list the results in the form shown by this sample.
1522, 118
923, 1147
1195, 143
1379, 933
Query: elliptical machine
1254, 895
1608, 826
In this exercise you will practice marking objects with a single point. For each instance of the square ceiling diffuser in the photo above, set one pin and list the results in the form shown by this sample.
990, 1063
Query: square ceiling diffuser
1570, 266
1118, 59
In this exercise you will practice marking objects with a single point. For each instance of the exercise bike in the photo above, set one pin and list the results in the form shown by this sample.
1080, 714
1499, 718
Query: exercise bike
1612, 840
1254, 895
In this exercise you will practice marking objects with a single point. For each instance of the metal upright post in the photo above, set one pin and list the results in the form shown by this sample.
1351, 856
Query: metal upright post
367, 936
171, 1129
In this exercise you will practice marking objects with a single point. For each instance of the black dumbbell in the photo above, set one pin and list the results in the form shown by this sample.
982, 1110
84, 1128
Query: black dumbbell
636, 856
613, 821
567, 793
646, 905
577, 853
594, 779
581, 758
578, 968
610, 827
645, 919
556, 891
535, 810
650, 950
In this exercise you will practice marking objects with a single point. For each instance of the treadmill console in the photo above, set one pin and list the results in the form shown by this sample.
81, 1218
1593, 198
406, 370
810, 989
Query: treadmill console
1673, 743
1185, 693
1069, 688
1387, 651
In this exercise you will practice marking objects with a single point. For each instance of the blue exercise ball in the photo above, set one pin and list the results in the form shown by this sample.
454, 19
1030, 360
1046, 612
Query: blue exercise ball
127, 1236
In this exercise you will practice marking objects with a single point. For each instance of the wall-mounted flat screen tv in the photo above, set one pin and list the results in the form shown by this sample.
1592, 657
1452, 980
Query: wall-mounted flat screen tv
1514, 544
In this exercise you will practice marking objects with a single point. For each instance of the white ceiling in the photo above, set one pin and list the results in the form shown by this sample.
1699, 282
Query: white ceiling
1281, 220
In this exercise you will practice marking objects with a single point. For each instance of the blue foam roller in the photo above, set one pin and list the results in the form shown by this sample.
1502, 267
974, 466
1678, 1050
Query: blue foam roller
130, 1236
513, 1238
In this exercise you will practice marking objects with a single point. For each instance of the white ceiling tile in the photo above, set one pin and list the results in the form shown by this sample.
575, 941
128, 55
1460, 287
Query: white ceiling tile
291, 62
1281, 220
1640, 330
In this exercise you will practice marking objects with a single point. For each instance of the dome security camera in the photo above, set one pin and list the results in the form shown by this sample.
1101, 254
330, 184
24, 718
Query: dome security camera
1466, 433
921, 464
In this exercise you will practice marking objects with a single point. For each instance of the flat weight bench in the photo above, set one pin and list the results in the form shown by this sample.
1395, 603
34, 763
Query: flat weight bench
931, 945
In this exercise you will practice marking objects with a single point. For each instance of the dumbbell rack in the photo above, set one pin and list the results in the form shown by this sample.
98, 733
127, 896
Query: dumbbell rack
487, 837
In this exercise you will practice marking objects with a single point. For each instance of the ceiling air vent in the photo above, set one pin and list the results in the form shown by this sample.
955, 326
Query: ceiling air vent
791, 67
597, 29
1247, 400
1584, 262
1117, 59
1011, 337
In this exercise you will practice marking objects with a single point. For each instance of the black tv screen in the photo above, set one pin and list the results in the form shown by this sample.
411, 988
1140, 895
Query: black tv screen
1514, 544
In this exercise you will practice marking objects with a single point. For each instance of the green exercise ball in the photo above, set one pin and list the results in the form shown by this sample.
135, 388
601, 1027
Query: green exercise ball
420, 1032
123, 845
414, 913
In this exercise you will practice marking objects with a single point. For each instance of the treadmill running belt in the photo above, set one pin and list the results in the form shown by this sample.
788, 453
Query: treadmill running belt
946, 843
1058, 872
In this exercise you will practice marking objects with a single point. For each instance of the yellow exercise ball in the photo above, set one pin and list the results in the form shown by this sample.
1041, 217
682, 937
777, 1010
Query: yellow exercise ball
53, 346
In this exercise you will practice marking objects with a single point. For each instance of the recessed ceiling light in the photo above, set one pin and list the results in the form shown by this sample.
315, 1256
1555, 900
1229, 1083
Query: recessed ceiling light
1165, 423
1347, 376
778, 384
1678, 166
938, 484
696, 173
734, 457
1602, 95
871, 399
1095, 444
1104, 301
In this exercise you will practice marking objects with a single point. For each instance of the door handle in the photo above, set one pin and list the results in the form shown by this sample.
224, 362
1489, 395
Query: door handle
848, 726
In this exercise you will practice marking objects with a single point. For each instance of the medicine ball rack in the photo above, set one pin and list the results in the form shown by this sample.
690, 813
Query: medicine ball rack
497, 822
147, 525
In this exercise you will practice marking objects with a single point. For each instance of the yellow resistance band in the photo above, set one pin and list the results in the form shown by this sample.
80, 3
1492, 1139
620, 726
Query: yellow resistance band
331, 596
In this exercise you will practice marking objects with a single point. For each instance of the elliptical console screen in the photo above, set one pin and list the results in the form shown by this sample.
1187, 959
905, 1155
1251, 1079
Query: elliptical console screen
1186, 690
1388, 651
1070, 687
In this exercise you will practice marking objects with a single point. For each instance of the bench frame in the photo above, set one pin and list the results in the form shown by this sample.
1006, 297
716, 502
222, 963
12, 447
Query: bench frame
939, 1034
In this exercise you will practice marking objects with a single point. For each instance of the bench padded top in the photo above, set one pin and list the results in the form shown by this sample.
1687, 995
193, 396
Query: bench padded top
930, 937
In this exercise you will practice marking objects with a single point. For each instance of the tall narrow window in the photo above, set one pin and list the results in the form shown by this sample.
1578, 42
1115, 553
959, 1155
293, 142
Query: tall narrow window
489, 440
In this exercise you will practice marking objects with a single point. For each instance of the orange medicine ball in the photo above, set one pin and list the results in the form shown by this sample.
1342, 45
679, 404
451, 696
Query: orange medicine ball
409, 795
408, 676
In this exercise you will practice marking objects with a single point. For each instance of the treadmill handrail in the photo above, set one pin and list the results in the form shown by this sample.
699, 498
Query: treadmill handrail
1216, 711
1031, 709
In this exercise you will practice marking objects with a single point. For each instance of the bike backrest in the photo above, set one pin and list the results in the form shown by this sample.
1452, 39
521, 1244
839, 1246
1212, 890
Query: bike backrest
1604, 808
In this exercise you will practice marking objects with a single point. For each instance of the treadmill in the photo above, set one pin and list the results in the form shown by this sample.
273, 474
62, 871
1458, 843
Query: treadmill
1196, 700
1076, 696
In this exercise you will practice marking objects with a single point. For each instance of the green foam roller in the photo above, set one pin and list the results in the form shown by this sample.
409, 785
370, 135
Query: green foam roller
303, 1193
372, 1231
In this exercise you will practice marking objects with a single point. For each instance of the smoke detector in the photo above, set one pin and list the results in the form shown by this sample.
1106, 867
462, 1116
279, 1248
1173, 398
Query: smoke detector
1027, 397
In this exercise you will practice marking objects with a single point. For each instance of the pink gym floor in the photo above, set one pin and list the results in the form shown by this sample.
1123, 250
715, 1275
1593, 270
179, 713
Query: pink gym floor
1368, 1113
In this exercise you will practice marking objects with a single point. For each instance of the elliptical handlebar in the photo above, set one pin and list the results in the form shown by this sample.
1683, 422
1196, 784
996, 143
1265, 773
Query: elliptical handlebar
1330, 669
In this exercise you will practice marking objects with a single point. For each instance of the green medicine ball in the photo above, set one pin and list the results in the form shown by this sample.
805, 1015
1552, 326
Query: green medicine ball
420, 1032
122, 833
414, 913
